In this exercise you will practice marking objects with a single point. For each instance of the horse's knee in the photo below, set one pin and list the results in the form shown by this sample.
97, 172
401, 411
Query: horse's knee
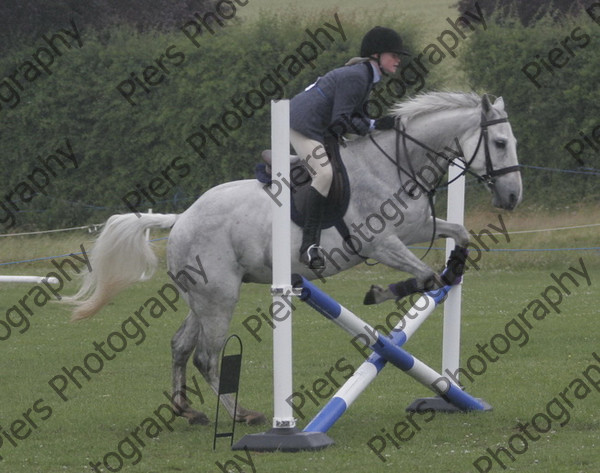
463, 236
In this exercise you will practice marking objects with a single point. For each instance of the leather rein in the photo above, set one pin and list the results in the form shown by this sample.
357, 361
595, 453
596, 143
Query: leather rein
488, 178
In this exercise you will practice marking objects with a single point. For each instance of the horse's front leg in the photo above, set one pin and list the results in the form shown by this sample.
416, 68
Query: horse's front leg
443, 229
394, 253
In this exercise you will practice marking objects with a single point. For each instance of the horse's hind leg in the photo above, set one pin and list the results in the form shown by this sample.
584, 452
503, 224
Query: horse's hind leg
211, 337
182, 346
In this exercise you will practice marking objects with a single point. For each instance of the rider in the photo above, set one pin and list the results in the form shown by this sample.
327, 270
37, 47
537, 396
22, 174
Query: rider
334, 104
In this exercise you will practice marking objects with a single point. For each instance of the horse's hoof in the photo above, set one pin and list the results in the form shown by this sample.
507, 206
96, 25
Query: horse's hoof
198, 418
375, 295
258, 419
369, 297
252, 418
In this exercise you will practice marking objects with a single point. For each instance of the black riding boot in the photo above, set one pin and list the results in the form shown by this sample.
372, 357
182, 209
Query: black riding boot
311, 253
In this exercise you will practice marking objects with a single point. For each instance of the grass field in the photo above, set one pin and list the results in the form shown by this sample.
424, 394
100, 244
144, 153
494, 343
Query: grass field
545, 375
44, 431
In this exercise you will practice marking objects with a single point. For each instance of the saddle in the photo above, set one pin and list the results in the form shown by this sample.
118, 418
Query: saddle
300, 180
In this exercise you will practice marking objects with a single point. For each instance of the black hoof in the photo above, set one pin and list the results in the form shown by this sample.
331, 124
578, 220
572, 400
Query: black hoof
370, 297
198, 419
256, 420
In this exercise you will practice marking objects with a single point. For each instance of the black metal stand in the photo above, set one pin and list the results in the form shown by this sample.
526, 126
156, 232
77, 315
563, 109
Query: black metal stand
284, 440
229, 383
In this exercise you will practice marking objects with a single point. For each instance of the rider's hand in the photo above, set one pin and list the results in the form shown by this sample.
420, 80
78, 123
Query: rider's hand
385, 123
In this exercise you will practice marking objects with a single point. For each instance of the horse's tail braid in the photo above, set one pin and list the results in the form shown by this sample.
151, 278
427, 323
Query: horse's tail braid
120, 257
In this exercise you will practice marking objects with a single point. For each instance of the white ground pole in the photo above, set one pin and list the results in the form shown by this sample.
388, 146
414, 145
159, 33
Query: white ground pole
28, 279
452, 306
284, 436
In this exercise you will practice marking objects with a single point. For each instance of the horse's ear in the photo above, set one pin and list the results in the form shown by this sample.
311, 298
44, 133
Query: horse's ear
486, 105
499, 104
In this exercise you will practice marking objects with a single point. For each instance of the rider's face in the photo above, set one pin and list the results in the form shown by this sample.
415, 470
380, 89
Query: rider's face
389, 62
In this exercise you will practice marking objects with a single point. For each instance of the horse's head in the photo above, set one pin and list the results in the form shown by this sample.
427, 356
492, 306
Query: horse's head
493, 155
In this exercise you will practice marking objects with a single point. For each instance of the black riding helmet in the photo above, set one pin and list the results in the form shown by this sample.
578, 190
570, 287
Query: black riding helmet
381, 40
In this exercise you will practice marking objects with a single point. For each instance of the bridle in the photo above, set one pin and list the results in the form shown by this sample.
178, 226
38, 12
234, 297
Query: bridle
490, 172
488, 178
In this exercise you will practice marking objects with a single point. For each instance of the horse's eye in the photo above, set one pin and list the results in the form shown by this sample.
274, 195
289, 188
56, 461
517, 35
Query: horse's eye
500, 144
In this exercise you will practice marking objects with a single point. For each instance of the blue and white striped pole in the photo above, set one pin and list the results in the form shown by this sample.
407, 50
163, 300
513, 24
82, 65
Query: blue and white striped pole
371, 367
386, 349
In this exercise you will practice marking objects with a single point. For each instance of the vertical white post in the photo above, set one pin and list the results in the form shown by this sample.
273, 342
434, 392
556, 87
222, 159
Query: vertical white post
148, 229
452, 306
284, 436
282, 268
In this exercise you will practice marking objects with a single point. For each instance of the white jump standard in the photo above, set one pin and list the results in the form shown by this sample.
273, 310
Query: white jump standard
284, 436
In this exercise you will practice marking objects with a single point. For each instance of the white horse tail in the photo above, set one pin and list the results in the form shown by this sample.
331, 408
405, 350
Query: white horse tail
121, 256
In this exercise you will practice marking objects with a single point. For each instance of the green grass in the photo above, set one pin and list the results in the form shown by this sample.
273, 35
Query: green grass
116, 400
519, 385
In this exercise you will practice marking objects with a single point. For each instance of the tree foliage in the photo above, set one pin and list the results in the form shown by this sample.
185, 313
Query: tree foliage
551, 105
24, 19
528, 12
122, 148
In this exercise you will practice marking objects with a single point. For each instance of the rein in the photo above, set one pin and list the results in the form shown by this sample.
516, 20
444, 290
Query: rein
487, 178
490, 174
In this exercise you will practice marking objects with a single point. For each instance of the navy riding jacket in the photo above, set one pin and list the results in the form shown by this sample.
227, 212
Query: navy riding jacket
335, 104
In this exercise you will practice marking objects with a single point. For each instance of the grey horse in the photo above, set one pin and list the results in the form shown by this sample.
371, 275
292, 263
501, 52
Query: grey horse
226, 234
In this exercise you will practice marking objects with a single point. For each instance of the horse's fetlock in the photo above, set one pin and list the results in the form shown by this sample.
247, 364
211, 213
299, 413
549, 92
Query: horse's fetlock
434, 281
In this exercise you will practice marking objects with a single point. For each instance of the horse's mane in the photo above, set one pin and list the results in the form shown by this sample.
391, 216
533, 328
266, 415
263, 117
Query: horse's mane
435, 102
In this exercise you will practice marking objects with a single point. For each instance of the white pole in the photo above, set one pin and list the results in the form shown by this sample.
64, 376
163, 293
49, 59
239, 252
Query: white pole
282, 268
148, 229
452, 306
284, 435
28, 279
